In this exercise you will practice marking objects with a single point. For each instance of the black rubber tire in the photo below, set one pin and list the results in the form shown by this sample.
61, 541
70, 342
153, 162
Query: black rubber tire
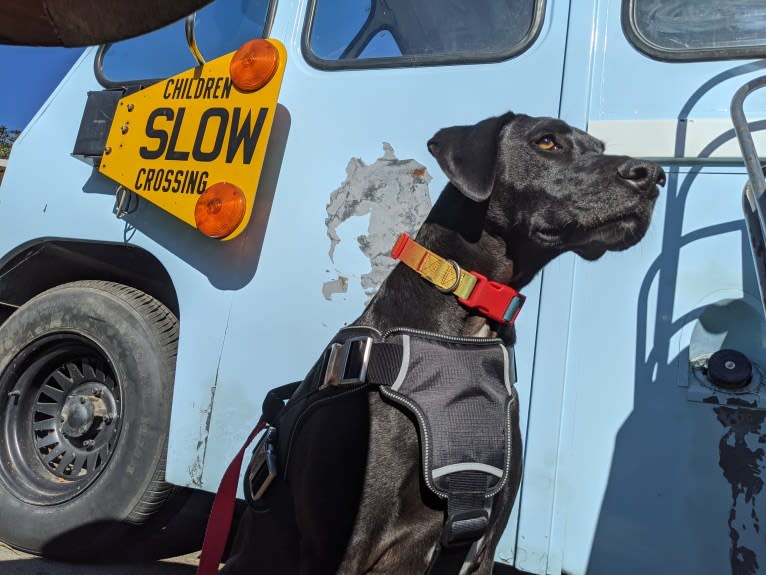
117, 504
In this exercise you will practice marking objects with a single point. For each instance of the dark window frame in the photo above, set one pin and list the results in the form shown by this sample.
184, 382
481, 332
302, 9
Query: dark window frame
649, 48
108, 83
419, 61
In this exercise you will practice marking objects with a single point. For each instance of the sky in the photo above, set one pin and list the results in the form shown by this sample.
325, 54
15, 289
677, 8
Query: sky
29, 76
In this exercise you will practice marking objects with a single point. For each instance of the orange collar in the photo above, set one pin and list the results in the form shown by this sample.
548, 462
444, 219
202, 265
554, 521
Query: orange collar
493, 300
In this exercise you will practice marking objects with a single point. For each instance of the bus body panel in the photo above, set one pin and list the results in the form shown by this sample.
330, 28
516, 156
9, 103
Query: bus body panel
654, 473
633, 463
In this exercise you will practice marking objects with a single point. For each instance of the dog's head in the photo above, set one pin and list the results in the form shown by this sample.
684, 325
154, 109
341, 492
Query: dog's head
550, 182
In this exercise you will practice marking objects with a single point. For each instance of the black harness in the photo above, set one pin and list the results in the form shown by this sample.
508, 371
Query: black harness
460, 391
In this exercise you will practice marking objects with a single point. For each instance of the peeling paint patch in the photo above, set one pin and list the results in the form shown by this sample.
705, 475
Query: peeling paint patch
741, 460
339, 285
395, 194
197, 467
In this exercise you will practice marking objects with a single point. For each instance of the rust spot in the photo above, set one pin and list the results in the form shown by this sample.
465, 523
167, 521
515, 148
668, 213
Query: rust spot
418, 172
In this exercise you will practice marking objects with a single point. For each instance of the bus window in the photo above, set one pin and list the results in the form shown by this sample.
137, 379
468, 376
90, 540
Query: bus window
385, 33
696, 30
221, 27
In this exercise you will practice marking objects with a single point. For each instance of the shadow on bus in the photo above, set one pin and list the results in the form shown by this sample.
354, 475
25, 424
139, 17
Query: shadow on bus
686, 469
666, 461
229, 265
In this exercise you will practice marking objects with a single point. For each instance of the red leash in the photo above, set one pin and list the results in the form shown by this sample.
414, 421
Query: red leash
219, 523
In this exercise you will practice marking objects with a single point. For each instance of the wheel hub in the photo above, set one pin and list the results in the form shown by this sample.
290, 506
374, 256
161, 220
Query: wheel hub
86, 411
85, 421
65, 419
77, 416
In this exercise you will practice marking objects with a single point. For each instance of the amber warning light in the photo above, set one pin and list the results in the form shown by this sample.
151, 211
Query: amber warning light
220, 210
253, 65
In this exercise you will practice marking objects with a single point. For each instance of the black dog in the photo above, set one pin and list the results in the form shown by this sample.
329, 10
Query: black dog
522, 191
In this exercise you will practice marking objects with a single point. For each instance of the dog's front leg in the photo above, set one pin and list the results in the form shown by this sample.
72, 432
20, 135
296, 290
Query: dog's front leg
503, 504
399, 520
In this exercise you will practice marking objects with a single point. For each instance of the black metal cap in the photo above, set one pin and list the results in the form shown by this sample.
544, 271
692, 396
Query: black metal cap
729, 369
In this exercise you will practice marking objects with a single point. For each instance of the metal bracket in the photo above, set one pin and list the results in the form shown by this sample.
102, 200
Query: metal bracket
125, 202
191, 38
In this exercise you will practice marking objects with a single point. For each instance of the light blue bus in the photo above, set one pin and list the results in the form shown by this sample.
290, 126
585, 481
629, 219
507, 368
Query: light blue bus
135, 351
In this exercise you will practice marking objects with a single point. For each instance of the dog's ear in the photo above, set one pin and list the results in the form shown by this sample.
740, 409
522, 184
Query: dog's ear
467, 154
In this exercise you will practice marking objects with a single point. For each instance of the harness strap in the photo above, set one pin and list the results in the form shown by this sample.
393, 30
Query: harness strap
361, 359
466, 524
219, 523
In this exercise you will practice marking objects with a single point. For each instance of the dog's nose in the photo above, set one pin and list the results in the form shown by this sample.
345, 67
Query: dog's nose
641, 174
433, 145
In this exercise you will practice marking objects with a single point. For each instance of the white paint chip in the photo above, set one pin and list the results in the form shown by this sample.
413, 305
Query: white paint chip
395, 195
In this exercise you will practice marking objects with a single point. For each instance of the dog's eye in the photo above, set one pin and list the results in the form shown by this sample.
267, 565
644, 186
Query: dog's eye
547, 143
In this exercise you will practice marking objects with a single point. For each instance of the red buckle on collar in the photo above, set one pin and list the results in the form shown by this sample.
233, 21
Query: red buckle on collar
494, 300
401, 241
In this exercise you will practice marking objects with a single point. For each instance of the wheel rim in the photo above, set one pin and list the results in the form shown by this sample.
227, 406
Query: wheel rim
61, 403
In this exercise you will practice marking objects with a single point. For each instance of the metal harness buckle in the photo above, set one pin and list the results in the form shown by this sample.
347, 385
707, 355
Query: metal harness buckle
256, 482
349, 361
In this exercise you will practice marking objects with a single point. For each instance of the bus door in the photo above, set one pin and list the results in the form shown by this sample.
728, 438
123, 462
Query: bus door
661, 462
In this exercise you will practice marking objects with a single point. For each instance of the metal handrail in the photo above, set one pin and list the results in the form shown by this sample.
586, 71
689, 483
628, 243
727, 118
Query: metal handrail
746, 144
754, 200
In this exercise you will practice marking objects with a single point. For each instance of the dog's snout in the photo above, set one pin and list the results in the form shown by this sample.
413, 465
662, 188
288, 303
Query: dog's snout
433, 145
643, 175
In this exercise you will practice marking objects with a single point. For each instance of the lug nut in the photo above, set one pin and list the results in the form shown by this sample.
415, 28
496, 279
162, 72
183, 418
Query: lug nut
88, 444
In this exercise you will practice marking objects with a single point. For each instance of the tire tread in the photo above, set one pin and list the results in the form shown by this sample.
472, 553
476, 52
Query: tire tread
164, 324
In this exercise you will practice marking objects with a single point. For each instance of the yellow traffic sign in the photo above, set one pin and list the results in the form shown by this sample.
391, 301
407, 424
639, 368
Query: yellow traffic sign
171, 141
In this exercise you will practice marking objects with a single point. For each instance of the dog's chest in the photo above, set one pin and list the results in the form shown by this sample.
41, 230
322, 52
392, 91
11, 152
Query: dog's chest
438, 434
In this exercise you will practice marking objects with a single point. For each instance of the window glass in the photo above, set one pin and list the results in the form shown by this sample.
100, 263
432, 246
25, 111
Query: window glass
354, 33
697, 29
222, 26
